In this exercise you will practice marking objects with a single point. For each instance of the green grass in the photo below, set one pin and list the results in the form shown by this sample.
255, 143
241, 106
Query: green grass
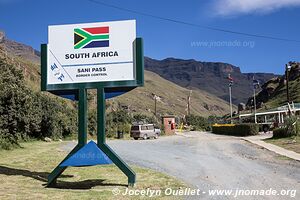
289, 143
24, 171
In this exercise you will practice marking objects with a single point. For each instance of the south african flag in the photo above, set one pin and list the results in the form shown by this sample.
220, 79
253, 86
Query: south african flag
91, 37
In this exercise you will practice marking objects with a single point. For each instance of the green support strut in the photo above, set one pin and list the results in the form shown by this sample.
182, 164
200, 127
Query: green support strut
82, 136
101, 139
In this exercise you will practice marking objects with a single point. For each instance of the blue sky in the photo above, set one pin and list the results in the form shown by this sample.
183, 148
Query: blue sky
26, 21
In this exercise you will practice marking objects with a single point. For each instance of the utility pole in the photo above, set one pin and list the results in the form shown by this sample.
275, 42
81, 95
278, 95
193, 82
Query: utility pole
189, 103
155, 100
255, 120
287, 70
230, 101
255, 83
230, 96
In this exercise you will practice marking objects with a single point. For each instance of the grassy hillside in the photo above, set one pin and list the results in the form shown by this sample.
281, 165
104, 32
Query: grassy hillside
172, 99
273, 93
280, 97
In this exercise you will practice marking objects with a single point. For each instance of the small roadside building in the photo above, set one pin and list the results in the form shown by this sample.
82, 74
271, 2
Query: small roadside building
169, 124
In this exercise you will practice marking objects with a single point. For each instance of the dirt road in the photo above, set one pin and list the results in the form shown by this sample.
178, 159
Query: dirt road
209, 161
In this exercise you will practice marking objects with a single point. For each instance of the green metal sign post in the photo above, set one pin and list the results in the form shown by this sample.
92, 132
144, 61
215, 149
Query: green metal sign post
102, 143
102, 87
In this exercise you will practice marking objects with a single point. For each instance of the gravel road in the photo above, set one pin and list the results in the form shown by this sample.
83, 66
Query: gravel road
207, 161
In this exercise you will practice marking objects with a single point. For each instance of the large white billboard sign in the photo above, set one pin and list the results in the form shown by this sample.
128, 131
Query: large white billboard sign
91, 52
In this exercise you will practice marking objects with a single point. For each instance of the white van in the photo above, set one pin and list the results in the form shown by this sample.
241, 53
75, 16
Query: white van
144, 131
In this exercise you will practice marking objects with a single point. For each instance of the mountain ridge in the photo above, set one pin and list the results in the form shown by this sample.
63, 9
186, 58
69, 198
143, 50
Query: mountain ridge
18, 49
208, 76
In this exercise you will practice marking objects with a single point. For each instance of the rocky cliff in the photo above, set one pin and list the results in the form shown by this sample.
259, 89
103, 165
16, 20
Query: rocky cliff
18, 49
207, 76
273, 92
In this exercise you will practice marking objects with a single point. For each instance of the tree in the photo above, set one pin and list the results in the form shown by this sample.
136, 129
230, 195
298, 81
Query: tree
27, 114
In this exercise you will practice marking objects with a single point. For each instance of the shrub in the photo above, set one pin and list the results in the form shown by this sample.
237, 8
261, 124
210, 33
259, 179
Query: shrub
57, 120
236, 129
297, 127
92, 122
290, 128
7, 140
144, 118
198, 122
116, 121
280, 133
213, 119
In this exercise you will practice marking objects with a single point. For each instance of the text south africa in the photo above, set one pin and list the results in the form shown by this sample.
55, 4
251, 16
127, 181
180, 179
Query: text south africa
92, 55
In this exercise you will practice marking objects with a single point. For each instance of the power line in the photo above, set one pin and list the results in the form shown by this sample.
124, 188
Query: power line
192, 24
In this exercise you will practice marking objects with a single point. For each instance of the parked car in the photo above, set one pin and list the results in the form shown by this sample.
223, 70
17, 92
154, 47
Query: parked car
144, 131
157, 130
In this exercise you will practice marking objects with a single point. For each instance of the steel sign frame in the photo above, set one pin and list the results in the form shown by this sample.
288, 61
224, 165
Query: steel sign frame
80, 90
